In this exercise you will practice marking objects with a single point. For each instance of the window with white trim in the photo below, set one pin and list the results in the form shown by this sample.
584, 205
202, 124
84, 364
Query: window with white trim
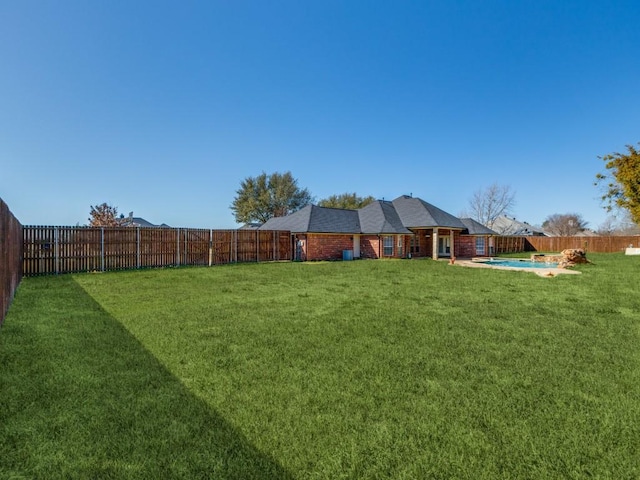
387, 246
480, 246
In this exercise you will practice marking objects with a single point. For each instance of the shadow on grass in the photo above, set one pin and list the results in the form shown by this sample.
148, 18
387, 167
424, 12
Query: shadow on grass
82, 398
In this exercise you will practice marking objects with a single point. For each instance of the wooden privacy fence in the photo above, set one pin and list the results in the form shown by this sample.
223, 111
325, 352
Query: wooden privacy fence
509, 244
610, 244
54, 250
10, 257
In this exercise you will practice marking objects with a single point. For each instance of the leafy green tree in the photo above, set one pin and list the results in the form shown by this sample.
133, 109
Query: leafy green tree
260, 198
622, 182
104, 215
346, 200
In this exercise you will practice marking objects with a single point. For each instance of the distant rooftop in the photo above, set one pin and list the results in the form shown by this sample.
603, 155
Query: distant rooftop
132, 221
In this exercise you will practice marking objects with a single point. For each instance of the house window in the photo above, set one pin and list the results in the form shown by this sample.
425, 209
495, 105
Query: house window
444, 246
415, 244
400, 241
480, 246
387, 246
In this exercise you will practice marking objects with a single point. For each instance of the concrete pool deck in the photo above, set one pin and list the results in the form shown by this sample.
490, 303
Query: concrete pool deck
542, 272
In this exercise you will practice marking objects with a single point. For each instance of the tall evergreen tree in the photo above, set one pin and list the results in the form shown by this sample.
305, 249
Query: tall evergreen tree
260, 198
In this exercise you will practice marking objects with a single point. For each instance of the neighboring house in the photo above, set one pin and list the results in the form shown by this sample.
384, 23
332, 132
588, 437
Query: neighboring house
404, 227
510, 226
132, 221
587, 232
251, 226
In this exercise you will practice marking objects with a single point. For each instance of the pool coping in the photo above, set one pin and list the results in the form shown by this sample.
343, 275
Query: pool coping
542, 272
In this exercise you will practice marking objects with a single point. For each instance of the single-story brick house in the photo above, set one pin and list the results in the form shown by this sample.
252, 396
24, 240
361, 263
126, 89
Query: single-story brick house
402, 228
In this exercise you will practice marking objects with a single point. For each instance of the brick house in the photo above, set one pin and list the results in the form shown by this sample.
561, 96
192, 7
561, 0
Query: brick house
403, 228
476, 240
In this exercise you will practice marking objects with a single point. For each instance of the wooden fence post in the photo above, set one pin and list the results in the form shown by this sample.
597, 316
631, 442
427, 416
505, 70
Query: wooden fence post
56, 249
102, 249
138, 247
177, 246
210, 247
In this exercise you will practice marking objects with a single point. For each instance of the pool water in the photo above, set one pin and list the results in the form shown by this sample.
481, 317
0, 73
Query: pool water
519, 263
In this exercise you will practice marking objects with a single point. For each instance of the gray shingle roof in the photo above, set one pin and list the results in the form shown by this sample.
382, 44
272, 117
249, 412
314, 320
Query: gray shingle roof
251, 226
140, 222
333, 220
294, 222
476, 228
510, 226
381, 217
316, 220
416, 213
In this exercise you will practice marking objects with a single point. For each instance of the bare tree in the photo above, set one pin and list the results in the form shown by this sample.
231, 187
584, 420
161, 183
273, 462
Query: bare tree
615, 225
626, 225
608, 227
488, 204
564, 225
104, 215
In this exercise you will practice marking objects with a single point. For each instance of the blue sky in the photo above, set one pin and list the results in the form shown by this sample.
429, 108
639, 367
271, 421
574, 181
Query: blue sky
163, 108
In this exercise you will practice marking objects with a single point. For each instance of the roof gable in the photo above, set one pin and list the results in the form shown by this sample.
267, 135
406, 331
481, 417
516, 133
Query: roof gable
381, 217
333, 220
416, 213
476, 228
510, 226
294, 222
314, 219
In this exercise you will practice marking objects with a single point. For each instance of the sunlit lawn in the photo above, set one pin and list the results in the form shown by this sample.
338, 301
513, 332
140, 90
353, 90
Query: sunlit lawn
363, 369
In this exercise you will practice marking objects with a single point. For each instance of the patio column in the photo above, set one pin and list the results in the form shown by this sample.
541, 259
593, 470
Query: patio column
451, 236
434, 245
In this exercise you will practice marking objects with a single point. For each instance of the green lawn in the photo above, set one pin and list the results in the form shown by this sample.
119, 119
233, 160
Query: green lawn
365, 369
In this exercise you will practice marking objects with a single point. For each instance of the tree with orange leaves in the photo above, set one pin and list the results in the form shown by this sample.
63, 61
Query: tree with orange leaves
104, 215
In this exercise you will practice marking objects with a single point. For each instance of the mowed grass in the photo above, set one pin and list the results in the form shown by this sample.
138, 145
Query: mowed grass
365, 369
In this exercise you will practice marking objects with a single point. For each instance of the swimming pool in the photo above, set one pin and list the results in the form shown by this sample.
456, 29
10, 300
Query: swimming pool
517, 263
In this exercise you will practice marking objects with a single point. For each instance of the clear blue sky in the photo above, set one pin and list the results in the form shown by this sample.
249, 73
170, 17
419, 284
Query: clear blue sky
163, 108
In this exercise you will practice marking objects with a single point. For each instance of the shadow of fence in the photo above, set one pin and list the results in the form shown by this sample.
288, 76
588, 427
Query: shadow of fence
84, 398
